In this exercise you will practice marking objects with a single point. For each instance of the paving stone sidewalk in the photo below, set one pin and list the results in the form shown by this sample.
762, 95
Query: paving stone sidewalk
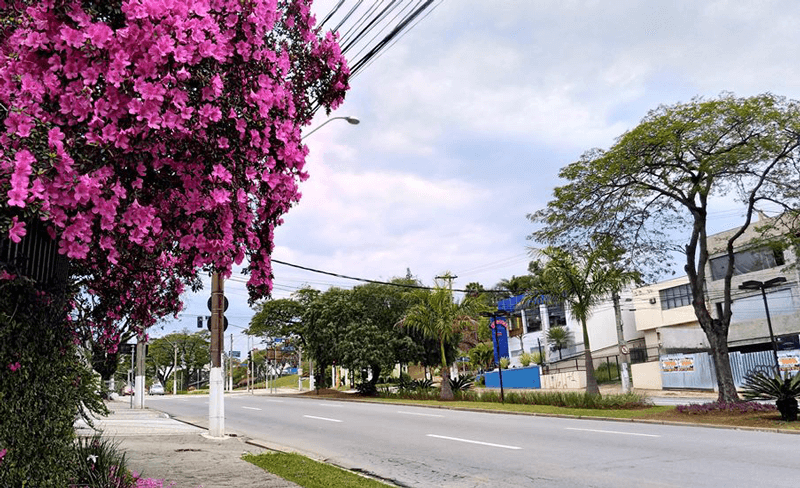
163, 448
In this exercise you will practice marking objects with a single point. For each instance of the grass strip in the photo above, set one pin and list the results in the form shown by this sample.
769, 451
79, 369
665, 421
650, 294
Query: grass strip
545, 409
309, 473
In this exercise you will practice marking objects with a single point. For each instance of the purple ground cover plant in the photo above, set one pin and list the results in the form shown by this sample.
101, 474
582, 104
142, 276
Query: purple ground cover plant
734, 407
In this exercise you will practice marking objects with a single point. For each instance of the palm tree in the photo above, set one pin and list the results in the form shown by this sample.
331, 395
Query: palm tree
437, 316
583, 278
559, 337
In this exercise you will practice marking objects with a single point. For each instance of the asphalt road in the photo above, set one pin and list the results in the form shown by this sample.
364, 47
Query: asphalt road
428, 447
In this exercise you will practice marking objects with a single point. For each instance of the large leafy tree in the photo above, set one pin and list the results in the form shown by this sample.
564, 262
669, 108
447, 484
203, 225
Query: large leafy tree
584, 278
666, 177
437, 316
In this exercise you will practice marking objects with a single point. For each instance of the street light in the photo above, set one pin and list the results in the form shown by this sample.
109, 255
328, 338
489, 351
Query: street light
763, 285
494, 315
350, 120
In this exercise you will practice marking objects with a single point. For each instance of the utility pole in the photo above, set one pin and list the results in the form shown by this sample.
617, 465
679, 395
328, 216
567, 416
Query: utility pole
140, 379
216, 394
230, 365
175, 370
623, 348
299, 368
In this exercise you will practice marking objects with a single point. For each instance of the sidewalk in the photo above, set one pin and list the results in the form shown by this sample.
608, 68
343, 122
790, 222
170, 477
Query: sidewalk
159, 447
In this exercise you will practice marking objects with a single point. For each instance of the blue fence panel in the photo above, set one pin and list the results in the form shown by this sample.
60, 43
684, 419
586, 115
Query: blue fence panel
515, 378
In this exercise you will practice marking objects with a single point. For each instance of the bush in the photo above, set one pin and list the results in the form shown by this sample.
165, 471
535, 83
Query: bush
367, 389
504, 362
735, 407
607, 373
784, 390
98, 464
462, 382
525, 359
44, 386
407, 384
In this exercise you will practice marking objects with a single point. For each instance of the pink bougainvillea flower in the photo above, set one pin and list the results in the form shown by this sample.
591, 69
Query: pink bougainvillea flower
14, 366
17, 230
123, 145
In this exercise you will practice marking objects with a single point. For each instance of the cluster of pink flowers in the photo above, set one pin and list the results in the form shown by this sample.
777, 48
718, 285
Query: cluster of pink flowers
158, 138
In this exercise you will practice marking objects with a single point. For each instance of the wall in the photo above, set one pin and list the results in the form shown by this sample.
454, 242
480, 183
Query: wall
573, 380
647, 375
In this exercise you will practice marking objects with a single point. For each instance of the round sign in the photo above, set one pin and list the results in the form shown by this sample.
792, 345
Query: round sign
624, 349
224, 306
224, 327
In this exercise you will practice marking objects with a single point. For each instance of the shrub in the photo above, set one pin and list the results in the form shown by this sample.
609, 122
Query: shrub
98, 464
367, 389
462, 382
735, 407
525, 359
784, 390
44, 387
504, 362
607, 373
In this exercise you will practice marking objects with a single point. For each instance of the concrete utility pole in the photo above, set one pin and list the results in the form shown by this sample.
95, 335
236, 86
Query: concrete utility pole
140, 380
623, 347
216, 394
299, 368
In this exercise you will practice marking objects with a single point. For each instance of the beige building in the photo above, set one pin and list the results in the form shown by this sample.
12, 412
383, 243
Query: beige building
663, 311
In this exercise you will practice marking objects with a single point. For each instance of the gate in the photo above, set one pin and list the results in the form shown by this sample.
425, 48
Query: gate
696, 371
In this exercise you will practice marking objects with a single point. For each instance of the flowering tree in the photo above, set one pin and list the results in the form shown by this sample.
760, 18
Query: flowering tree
157, 139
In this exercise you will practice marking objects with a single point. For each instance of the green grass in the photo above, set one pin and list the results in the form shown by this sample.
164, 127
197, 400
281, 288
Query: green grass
309, 473
542, 409
289, 381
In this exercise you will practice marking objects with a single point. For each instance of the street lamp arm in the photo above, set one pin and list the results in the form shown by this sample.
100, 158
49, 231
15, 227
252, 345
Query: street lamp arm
350, 120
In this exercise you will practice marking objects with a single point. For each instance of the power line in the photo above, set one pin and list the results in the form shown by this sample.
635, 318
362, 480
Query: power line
365, 280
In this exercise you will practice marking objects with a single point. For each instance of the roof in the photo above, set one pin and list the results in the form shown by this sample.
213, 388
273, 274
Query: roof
515, 303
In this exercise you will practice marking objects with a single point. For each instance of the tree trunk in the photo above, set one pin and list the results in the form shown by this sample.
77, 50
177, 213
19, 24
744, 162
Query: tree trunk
447, 392
591, 381
722, 366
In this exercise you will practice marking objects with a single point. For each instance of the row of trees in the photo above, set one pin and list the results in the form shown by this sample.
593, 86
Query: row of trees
371, 328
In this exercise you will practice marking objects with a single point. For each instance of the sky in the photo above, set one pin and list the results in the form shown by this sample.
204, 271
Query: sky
467, 120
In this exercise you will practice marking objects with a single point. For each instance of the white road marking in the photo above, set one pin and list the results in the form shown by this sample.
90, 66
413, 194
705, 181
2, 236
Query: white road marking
329, 405
614, 432
473, 442
252, 408
420, 414
274, 401
321, 418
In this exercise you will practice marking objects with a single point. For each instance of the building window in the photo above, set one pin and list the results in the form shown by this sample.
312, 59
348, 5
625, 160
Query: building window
556, 314
677, 296
534, 319
747, 262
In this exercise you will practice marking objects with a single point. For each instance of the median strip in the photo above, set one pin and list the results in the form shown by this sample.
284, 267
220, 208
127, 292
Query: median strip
468, 441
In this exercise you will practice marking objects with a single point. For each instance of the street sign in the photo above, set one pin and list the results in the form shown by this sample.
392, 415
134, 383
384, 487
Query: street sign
224, 306
236, 354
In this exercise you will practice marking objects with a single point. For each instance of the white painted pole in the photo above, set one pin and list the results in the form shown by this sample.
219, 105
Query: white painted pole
139, 381
216, 393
